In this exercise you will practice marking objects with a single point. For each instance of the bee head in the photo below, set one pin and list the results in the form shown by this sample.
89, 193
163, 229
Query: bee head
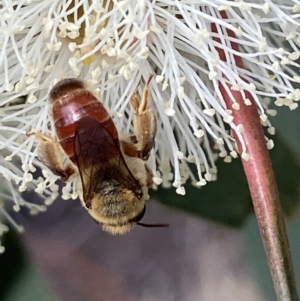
116, 208
122, 228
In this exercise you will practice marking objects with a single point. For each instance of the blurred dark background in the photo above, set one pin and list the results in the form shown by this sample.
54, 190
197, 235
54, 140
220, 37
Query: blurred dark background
211, 251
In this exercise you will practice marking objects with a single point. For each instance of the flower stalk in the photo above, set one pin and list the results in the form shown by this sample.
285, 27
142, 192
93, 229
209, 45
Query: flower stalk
261, 180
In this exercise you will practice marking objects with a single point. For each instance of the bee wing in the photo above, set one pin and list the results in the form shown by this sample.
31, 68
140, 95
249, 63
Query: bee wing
98, 157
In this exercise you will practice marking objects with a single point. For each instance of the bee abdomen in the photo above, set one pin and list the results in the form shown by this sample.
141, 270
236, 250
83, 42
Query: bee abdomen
70, 106
64, 87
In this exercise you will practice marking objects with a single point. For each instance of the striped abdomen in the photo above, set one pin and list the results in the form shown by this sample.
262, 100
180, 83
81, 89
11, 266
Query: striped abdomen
71, 103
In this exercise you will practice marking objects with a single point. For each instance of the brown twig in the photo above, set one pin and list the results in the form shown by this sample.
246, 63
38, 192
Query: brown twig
262, 184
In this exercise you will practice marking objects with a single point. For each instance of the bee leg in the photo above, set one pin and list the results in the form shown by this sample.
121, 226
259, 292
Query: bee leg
144, 124
53, 156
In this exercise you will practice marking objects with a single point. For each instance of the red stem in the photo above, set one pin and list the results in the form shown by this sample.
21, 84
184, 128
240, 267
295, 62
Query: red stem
262, 184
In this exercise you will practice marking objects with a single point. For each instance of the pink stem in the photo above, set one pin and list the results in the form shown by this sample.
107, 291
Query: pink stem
262, 184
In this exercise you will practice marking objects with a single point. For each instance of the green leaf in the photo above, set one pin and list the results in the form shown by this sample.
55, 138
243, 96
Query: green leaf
225, 200
228, 200
12, 263
18, 278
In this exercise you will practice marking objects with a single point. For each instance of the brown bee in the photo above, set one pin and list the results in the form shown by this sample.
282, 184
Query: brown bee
113, 171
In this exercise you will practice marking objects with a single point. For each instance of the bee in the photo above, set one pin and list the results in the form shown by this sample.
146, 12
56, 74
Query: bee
113, 171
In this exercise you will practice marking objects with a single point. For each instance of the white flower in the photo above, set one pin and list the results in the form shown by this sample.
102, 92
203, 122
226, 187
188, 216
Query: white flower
116, 46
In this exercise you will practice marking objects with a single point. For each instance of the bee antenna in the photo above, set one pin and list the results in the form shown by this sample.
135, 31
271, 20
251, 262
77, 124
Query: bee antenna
153, 225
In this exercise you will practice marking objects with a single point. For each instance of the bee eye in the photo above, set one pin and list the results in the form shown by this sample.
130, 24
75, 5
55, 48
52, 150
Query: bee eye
139, 216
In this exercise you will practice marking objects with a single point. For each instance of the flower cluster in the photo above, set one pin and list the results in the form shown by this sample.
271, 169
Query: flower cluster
116, 46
